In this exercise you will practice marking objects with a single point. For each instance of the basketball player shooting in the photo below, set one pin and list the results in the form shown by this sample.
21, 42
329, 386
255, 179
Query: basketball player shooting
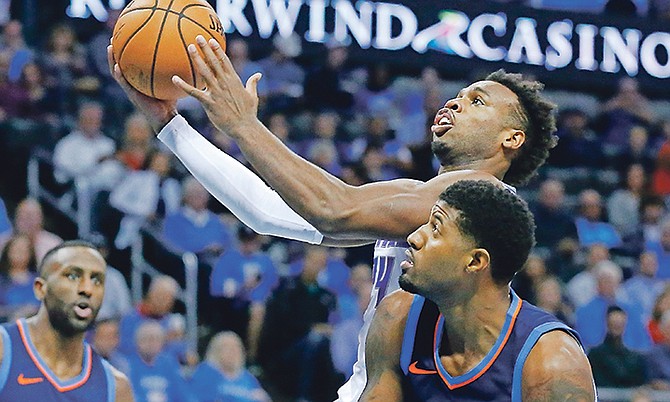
496, 129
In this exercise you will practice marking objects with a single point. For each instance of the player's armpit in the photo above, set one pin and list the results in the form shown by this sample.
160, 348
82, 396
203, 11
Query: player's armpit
382, 349
124, 391
557, 370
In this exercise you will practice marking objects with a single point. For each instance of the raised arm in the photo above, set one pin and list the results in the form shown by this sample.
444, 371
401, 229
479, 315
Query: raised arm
382, 349
384, 209
557, 370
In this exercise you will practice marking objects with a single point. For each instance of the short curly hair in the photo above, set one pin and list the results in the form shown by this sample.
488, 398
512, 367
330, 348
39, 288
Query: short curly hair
497, 220
536, 115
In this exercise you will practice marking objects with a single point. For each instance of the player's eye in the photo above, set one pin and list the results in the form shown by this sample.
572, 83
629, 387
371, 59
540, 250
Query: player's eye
96, 280
478, 101
72, 276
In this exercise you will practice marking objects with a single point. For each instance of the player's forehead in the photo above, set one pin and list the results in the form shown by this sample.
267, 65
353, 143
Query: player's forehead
78, 257
491, 89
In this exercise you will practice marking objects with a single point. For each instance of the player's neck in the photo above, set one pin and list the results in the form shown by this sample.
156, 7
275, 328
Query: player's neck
64, 355
495, 167
472, 327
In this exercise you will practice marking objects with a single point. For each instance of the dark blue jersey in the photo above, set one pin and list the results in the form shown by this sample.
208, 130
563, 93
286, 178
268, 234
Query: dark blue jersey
24, 376
496, 378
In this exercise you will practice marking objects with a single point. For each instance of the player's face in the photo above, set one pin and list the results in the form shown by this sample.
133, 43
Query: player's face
438, 255
474, 125
72, 289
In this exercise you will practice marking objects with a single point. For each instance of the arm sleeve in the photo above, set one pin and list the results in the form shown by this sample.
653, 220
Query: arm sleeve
235, 186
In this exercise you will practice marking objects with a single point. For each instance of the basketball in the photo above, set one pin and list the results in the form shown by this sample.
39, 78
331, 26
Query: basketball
150, 42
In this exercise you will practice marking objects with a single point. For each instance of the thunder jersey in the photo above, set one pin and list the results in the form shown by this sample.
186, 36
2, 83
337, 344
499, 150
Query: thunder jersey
24, 376
385, 273
496, 378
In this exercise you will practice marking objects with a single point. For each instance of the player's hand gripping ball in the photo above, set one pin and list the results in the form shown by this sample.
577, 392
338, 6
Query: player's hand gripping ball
150, 40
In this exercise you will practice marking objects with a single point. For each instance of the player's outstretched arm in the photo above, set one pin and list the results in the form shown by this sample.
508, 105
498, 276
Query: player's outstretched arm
382, 349
124, 392
557, 370
336, 209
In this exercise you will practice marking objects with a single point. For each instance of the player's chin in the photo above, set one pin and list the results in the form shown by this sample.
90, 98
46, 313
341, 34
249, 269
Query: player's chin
406, 284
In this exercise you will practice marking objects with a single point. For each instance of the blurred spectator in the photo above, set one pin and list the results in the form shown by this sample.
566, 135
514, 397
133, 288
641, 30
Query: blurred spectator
550, 299
176, 344
324, 86
644, 288
590, 223
194, 227
17, 274
138, 141
661, 249
156, 306
42, 106
658, 359
116, 102
613, 364
333, 275
661, 175
344, 341
639, 151
564, 260
376, 98
246, 278
590, 319
116, 302
322, 147
526, 282
238, 52
396, 158
29, 221
295, 342
223, 375
155, 376
661, 306
14, 98
13, 44
279, 125
82, 152
627, 108
145, 195
578, 145
552, 221
348, 301
65, 68
623, 205
283, 77
106, 342
582, 287
652, 214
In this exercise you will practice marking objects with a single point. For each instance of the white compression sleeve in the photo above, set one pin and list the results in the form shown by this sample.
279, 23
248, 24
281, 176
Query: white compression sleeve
235, 186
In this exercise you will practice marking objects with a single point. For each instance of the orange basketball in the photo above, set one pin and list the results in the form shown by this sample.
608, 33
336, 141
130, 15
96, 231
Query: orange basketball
150, 40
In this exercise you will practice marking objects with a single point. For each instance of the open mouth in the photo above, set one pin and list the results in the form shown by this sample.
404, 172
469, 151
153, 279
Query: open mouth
408, 262
83, 310
443, 122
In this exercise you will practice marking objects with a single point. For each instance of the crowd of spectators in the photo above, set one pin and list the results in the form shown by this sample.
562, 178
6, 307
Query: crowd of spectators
285, 313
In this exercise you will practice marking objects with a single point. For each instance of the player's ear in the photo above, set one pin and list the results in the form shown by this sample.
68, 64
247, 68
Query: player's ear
514, 139
480, 259
40, 288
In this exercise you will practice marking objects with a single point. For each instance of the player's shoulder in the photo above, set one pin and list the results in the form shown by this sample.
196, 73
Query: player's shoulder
556, 364
393, 308
124, 391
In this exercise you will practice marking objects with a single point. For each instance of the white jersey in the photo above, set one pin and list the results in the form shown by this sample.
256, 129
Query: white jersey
385, 273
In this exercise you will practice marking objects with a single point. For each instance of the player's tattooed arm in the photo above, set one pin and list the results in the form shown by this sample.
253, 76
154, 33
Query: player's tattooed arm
382, 349
557, 370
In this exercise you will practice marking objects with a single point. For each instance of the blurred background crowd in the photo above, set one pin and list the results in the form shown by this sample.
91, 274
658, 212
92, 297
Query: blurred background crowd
278, 319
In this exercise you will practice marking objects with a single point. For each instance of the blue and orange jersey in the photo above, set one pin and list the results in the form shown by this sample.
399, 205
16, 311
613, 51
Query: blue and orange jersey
24, 376
496, 378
